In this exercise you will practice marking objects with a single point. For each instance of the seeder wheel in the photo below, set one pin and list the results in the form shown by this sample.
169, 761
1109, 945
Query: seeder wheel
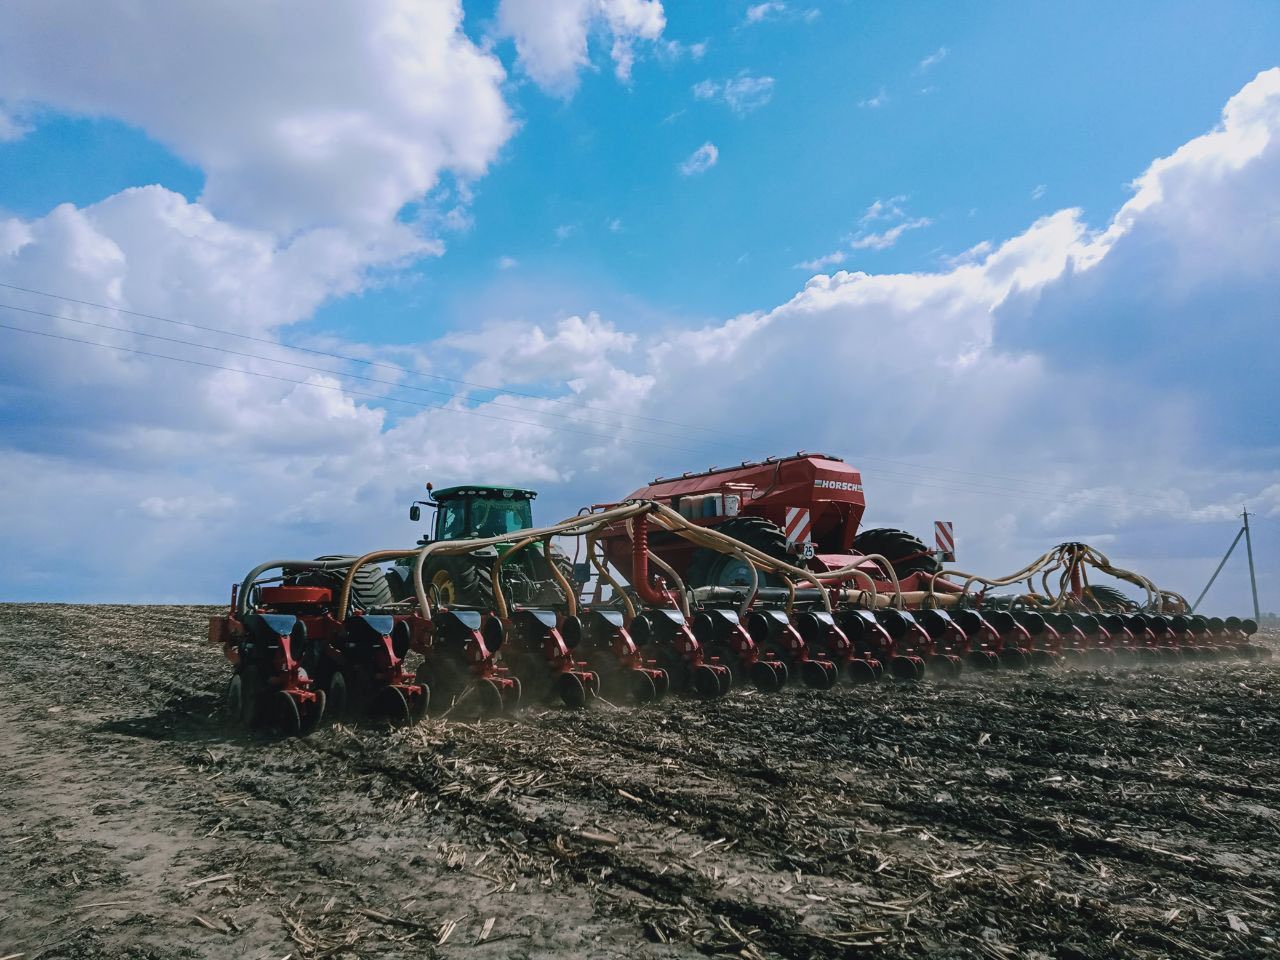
862, 671
661, 683
1011, 658
643, 689
390, 704
490, 696
706, 684
766, 676
724, 677
1044, 659
286, 719
337, 694
815, 675
571, 690
311, 719
982, 659
418, 705
906, 668
235, 698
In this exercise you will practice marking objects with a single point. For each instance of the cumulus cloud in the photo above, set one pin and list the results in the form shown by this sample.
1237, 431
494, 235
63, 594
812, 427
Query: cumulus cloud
701, 160
741, 94
335, 125
1045, 357
551, 36
1072, 381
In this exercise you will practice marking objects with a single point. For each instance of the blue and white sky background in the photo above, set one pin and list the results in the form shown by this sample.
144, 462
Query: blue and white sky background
1017, 262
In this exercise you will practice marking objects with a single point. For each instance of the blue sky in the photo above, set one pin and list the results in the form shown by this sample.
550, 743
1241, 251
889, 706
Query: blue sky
555, 246
1072, 98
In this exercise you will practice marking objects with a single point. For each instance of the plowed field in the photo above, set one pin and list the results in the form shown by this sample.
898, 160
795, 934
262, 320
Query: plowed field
1089, 813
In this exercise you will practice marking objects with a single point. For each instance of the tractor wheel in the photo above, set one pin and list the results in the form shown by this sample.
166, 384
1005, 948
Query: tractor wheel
535, 564
710, 568
460, 581
905, 551
1107, 598
369, 590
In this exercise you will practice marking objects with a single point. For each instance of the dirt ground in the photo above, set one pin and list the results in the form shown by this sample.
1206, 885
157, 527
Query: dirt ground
1122, 813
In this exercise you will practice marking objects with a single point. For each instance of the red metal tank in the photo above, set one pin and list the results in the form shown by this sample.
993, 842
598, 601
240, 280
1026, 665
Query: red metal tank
815, 499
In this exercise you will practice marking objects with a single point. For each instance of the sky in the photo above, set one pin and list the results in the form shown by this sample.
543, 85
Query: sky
274, 268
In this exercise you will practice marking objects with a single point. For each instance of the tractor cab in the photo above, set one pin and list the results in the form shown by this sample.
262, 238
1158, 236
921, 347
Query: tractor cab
477, 512
482, 512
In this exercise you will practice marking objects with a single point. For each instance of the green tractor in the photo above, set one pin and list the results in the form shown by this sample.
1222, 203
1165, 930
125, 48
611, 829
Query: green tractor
474, 512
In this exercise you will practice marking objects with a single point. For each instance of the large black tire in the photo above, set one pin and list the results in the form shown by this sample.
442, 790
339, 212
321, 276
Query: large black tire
904, 550
1107, 598
537, 567
471, 577
709, 567
369, 590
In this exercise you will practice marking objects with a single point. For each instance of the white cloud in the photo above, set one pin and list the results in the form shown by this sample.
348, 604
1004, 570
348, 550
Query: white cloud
552, 36
762, 11
932, 60
1038, 191
614, 225
677, 50
338, 131
887, 238
701, 160
11, 128
881, 209
880, 98
741, 94
507, 263
833, 259
1115, 373
565, 231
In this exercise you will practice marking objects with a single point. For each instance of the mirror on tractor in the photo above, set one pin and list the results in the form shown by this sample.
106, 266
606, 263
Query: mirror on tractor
415, 513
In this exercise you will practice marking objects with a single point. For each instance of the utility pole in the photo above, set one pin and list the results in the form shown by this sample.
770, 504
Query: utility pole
1253, 580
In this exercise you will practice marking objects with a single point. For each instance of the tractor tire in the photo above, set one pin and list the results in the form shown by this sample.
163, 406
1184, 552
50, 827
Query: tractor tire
534, 563
369, 591
905, 551
460, 581
1107, 598
709, 568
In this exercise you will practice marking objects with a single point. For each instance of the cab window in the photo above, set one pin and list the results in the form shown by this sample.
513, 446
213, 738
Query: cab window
451, 520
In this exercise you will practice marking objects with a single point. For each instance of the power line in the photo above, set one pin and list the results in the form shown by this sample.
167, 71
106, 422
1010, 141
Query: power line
923, 480
347, 359
335, 387
920, 477
306, 366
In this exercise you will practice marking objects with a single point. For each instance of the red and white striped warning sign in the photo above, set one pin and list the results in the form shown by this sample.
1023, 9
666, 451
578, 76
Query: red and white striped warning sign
797, 528
945, 535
